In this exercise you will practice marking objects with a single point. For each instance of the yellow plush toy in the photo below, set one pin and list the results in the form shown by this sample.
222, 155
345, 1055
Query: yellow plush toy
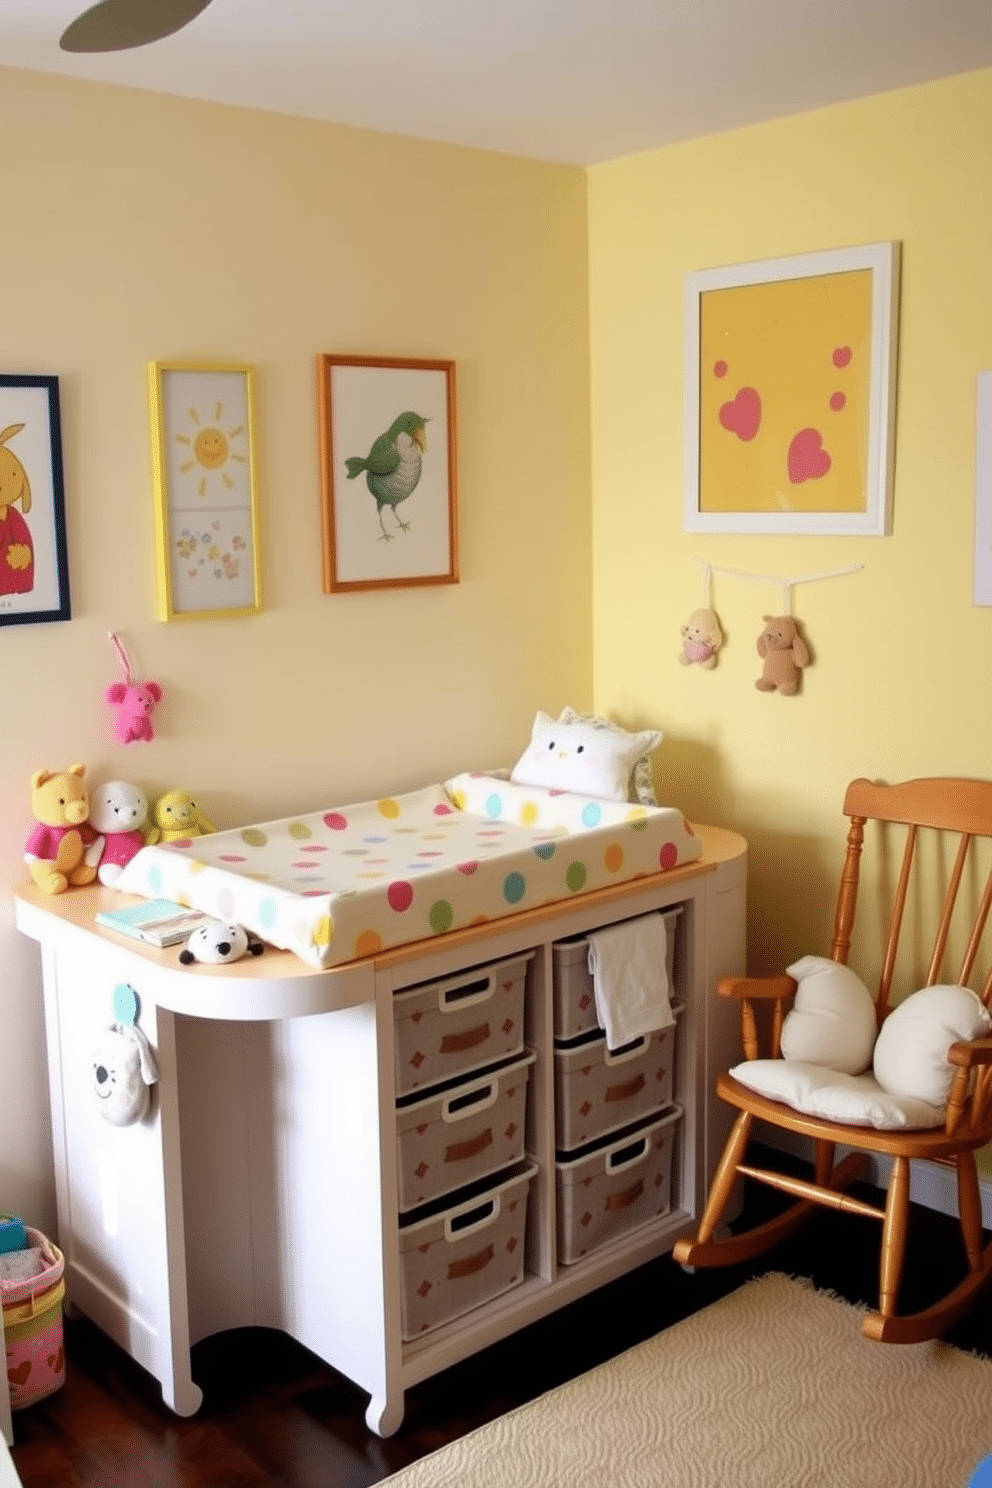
177, 816
701, 639
63, 849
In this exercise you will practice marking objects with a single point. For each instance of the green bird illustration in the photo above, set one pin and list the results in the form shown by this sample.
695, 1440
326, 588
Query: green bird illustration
392, 466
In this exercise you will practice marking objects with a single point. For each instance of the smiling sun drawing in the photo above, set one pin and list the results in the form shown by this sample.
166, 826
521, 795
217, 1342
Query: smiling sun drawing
211, 448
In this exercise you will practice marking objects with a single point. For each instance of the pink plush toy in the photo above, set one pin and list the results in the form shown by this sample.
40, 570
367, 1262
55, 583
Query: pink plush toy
135, 701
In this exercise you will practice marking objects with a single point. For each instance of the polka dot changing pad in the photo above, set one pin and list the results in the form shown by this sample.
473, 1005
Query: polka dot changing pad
343, 884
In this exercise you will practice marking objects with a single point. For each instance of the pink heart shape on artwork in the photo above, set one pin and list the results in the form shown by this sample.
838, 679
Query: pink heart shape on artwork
808, 460
743, 416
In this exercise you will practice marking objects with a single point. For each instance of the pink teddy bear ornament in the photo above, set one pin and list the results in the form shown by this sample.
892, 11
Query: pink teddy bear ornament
134, 701
701, 639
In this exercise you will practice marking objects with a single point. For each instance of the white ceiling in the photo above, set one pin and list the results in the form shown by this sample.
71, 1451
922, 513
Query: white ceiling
576, 81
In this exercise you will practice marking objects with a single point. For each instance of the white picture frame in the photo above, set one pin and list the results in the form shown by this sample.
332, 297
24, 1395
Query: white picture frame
790, 380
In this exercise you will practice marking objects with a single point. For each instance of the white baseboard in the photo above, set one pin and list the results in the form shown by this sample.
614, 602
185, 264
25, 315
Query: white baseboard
930, 1183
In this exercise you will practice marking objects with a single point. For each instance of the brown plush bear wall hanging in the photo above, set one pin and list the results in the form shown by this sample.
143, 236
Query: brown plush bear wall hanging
784, 652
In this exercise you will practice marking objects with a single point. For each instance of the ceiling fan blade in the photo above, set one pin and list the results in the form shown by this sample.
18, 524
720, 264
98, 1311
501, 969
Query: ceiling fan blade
117, 25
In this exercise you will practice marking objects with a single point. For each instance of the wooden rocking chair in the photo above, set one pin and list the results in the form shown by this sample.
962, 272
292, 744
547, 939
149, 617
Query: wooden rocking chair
944, 822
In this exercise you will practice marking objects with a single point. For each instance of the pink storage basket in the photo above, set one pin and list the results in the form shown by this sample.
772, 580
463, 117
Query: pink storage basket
32, 1320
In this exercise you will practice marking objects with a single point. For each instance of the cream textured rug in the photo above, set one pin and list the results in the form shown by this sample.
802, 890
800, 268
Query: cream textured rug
771, 1387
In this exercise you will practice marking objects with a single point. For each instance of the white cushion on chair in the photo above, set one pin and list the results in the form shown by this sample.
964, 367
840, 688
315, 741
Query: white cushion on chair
832, 1021
911, 1049
856, 1100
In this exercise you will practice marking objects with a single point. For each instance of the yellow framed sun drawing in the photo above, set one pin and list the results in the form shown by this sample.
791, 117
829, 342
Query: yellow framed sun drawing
203, 463
790, 372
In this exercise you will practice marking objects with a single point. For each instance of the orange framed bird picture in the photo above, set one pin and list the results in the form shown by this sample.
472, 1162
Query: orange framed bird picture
203, 466
387, 461
790, 394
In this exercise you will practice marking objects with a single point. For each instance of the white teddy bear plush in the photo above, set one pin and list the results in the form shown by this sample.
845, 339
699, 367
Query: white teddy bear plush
122, 811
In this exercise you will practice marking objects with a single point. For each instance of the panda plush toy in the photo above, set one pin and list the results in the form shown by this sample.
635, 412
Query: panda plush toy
218, 943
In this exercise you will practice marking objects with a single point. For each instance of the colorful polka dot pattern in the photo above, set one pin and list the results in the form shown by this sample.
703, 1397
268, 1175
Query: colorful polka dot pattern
351, 881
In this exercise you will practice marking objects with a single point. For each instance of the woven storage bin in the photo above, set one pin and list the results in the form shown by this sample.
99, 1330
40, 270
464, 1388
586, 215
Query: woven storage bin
445, 1028
598, 1090
613, 1187
571, 979
459, 1132
32, 1321
466, 1254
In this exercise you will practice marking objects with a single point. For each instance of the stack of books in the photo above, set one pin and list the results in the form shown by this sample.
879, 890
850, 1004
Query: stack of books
158, 922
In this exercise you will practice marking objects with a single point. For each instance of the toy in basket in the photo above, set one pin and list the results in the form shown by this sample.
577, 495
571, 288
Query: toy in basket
32, 1320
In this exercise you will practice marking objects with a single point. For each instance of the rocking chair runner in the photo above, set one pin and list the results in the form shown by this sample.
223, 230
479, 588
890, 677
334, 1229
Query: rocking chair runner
960, 811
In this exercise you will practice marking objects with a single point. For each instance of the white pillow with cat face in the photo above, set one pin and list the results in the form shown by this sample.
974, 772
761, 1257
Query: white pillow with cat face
582, 757
640, 787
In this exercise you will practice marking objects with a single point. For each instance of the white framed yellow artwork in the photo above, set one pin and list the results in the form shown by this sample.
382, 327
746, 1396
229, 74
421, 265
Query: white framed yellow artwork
790, 394
206, 522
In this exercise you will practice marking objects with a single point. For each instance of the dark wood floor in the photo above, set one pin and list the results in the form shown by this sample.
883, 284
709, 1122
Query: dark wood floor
273, 1414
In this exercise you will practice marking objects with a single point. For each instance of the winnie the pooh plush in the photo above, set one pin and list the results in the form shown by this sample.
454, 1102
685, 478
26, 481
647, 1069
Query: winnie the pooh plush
177, 816
63, 850
785, 653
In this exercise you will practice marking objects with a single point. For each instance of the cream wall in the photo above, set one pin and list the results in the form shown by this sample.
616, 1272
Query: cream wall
151, 228
144, 228
903, 660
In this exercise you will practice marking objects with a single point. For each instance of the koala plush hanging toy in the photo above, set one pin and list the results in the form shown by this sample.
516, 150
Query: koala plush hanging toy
124, 1068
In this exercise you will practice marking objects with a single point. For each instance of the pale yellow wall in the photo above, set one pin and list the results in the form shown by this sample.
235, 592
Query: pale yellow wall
148, 228
901, 681
143, 228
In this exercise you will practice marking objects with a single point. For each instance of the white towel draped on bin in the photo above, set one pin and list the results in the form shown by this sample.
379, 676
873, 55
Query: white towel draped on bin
630, 978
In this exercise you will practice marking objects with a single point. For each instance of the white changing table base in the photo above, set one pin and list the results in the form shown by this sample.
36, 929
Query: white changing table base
261, 1189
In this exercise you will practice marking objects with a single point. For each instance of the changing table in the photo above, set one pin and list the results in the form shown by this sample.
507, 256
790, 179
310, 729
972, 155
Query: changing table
262, 1187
